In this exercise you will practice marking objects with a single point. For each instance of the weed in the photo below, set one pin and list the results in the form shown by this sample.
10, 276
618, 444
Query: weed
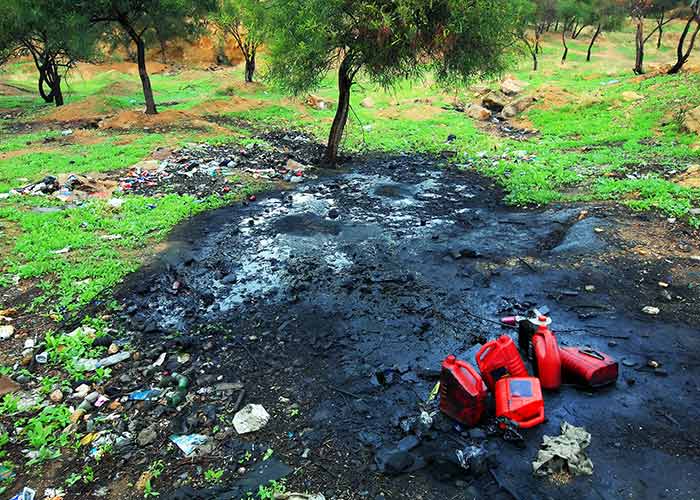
9, 404
213, 476
154, 472
271, 490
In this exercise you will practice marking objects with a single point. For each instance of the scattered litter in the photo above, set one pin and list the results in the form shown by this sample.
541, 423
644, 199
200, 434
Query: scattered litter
90, 364
6, 474
250, 418
6, 331
564, 453
116, 202
25, 494
62, 251
188, 444
42, 358
651, 310
472, 459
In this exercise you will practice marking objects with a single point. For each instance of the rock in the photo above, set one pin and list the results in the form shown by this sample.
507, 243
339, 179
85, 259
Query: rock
630, 96
509, 86
113, 349
367, 102
147, 436
691, 121
476, 112
7, 385
517, 107
651, 310
408, 443
393, 461
81, 391
250, 418
495, 101
333, 213
56, 396
6, 331
666, 295
694, 211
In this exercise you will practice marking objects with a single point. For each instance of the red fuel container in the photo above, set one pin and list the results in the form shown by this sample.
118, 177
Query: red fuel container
546, 358
588, 367
519, 399
500, 358
462, 392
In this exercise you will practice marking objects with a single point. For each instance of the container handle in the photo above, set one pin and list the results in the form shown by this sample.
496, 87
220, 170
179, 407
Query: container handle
487, 347
592, 353
469, 369
537, 419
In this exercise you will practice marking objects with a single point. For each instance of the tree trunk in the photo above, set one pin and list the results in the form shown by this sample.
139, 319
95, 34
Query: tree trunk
58, 93
639, 45
566, 48
590, 45
681, 56
42, 80
145, 79
345, 78
574, 29
250, 66
660, 22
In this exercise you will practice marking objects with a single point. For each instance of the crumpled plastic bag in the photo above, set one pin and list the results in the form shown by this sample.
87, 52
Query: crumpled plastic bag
566, 452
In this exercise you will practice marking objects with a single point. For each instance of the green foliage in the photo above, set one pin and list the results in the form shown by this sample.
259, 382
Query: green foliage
388, 42
214, 476
9, 404
154, 472
271, 490
43, 432
94, 264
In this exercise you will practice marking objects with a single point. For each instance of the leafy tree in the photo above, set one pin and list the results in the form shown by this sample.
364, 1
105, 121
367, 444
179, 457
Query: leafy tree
244, 21
605, 15
55, 35
148, 20
683, 51
386, 41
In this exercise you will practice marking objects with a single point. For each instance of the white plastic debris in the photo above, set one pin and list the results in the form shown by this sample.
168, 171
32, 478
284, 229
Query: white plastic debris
116, 202
189, 443
6, 331
651, 310
250, 418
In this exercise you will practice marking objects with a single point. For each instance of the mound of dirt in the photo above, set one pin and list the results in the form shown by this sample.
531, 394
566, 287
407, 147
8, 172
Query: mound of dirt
551, 96
690, 178
229, 105
94, 107
129, 120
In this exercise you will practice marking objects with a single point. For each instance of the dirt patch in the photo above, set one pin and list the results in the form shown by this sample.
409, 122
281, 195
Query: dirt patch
231, 104
416, 112
91, 108
7, 89
165, 120
690, 178
89, 71
551, 96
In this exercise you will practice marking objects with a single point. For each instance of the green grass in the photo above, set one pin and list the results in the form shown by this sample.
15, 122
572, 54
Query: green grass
93, 264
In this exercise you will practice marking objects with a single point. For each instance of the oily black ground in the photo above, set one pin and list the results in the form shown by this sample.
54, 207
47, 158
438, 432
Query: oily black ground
340, 300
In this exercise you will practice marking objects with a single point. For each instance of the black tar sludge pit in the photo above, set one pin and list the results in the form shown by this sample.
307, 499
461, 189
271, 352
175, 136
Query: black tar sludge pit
333, 306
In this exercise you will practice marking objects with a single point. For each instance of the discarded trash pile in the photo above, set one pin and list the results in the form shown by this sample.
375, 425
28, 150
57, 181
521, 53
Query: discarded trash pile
67, 187
202, 170
519, 397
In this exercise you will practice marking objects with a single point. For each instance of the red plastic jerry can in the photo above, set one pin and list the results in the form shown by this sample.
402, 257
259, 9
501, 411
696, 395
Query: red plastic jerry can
519, 399
546, 358
500, 358
462, 392
588, 367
